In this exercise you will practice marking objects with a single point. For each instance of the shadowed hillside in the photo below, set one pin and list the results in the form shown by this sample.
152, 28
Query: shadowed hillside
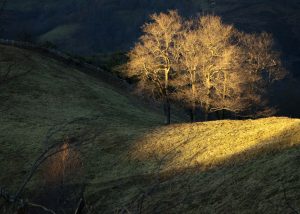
132, 163
42, 94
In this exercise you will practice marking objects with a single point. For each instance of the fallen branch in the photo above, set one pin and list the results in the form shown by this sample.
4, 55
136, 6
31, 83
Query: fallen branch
41, 207
21, 203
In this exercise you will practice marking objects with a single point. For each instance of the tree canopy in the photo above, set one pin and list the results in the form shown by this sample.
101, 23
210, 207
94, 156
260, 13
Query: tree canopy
206, 64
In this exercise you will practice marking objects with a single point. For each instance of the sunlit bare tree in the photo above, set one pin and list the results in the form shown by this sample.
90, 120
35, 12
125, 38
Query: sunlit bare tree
204, 63
187, 83
221, 76
262, 65
154, 57
209, 76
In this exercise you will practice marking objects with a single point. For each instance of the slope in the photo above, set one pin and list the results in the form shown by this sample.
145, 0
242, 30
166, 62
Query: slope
248, 166
42, 93
132, 162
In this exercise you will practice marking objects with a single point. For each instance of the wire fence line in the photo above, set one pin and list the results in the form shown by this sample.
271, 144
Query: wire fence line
69, 59
53, 52
120, 85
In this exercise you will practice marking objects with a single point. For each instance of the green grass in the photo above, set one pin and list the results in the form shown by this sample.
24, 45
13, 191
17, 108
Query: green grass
245, 166
60, 33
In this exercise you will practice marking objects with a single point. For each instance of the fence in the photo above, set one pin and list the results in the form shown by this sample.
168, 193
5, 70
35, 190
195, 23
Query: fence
61, 56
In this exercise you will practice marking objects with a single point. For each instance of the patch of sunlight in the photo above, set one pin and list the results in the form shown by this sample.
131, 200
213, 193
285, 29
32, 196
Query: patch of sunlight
213, 143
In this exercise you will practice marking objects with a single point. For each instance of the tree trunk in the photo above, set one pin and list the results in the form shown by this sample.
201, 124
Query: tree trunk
194, 100
167, 106
167, 111
193, 81
206, 116
218, 115
193, 113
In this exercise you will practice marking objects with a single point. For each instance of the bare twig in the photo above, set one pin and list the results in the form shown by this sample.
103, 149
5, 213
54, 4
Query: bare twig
41, 207
5, 76
80, 206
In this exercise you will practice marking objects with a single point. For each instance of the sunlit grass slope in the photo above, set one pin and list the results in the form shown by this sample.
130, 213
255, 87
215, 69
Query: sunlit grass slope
210, 144
131, 161
245, 166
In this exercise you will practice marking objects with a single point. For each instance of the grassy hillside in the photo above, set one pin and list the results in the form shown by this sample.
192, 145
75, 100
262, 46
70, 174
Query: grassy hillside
43, 93
131, 161
246, 166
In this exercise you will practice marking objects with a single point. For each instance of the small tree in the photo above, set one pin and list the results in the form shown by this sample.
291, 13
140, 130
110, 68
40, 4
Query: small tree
154, 58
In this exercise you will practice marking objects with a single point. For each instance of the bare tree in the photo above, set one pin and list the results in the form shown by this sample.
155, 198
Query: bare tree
187, 82
262, 65
209, 64
154, 57
218, 61
237, 68
209, 76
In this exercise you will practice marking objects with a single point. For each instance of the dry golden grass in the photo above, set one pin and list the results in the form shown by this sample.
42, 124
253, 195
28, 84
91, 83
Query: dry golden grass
64, 166
213, 143
240, 166
245, 166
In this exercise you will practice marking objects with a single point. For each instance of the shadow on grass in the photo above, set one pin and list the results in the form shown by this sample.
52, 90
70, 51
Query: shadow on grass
263, 178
